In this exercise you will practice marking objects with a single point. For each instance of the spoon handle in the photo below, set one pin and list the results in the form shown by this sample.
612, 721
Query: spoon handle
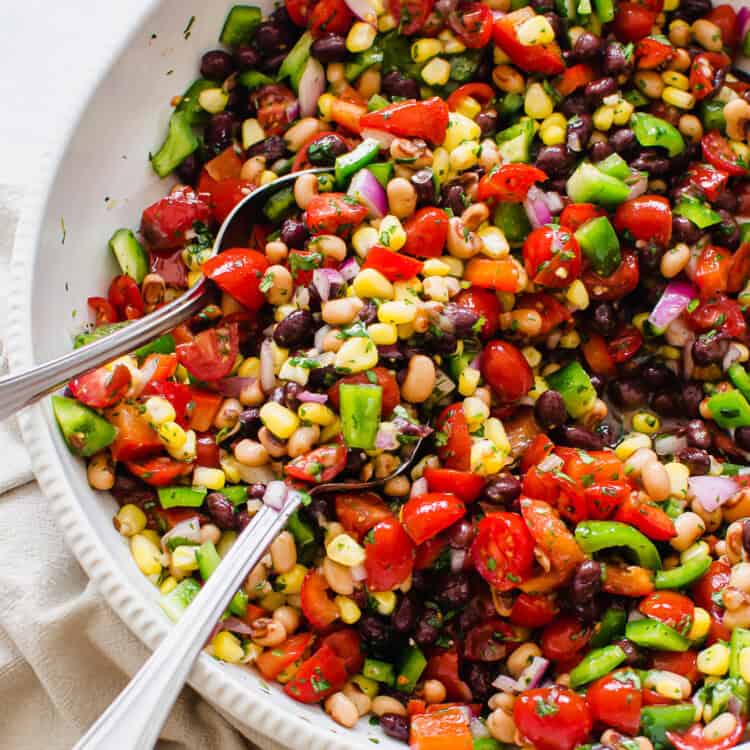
135, 719
22, 389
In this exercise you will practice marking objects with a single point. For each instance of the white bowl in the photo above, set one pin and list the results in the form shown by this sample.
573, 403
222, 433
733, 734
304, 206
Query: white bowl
99, 179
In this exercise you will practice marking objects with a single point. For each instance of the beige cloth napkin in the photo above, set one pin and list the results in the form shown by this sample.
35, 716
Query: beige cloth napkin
64, 654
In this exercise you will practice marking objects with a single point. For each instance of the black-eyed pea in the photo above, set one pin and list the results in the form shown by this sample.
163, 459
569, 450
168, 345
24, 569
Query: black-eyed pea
385, 464
338, 577
503, 701
402, 197
384, 704
305, 189
369, 83
283, 553
342, 710
268, 632
341, 312
100, 472
330, 246
280, 290
675, 260
434, 691
420, 380
288, 617
691, 127
252, 394
274, 447
525, 321
679, 33
333, 341
738, 506
461, 242
508, 79
521, 658
251, 453
276, 251
228, 414
397, 487
501, 726
681, 60
254, 582
210, 533
712, 519
301, 132
302, 440
690, 528
153, 289
253, 168
655, 480
358, 698
737, 115
475, 215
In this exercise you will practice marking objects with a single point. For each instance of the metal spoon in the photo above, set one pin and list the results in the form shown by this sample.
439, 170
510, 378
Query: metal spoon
135, 719
24, 388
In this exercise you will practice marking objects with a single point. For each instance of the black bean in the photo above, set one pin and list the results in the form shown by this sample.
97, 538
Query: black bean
291, 395
600, 150
129, 489
578, 133
256, 491
453, 196
587, 47
502, 489
550, 410
422, 581
189, 171
487, 122
667, 403
692, 395
454, 590
587, 581
692, 10
273, 148
633, 655
479, 609
246, 58
238, 102
374, 630
556, 161
221, 510
683, 230
272, 39
294, 234
270, 65
628, 392
396, 726
710, 347
651, 161
424, 185
579, 437
615, 59
746, 536
742, 438
250, 422
574, 104
726, 200
242, 519
397, 84
321, 378
392, 355
462, 319
427, 629
624, 143
603, 319
405, 615
696, 459
726, 234
479, 677
697, 434
329, 48
294, 331
599, 89
217, 65
369, 313
650, 257
324, 150
220, 131
657, 375
460, 534
543, 6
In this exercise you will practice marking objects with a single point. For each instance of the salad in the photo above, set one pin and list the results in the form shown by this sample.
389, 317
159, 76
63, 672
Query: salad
525, 253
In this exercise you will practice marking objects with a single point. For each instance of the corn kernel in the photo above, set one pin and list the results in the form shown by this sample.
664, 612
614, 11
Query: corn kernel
168, 584
678, 479
475, 411
325, 102
452, 45
384, 601
158, 411
468, 381
469, 107
295, 373
495, 432
485, 458
440, 164
172, 435
188, 450
740, 149
540, 386
436, 72
360, 36
363, 239
678, 80
408, 290
537, 103
231, 468
370, 284
280, 355
630, 444
383, 334
464, 156
640, 320
425, 49
146, 554
267, 177
395, 312
714, 660
130, 520
532, 355
227, 647
494, 243
604, 117
330, 432
386, 22
213, 100
578, 295
745, 664
358, 354
252, 133
291, 582
678, 98
435, 267
194, 277
211, 479
460, 129
314, 413
345, 551
184, 558
281, 421
391, 233
455, 265
553, 135
570, 340
670, 5
622, 112
436, 288
348, 609
537, 30
646, 423
250, 368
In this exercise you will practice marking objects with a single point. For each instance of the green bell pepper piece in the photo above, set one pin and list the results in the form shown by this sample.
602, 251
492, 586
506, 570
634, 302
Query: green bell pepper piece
653, 131
745, 232
457, 363
512, 219
594, 536
729, 409
279, 205
514, 143
360, 414
369, 687
413, 664
615, 166
178, 599
208, 559
596, 664
87, 337
347, 164
740, 640
240, 25
376, 102
464, 65
294, 63
746, 45
486, 743
254, 79
304, 538
588, 185
380, 671
238, 605
712, 115
599, 243
163, 345
740, 377
236, 494
655, 634
511, 104
683, 575
609, 627
382, 171
130, 255
362, 61
656, 721
574, 385
190, 107
723, 691
180, 142
636, 98
84, 431
182, 497
605, 10
700, 213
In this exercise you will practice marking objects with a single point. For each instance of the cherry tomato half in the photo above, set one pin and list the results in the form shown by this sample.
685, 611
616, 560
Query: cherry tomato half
615, 701
647, 218
425, 516
389, 555
506, 371
239, 272
552, 257
503, 550
212, 354
509, 182
671, 608
101, 387
552, 718
472, 25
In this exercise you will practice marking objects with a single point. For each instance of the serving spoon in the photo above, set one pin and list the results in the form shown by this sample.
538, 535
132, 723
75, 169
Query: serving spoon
24, 388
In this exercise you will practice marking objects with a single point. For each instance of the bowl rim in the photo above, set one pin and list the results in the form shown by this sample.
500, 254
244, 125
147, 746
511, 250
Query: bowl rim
212, 680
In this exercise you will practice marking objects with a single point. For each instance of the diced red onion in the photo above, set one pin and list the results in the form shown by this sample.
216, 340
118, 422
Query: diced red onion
675, 298
189, 529
232, 387
419, 487
506, 684
536, 207
362, 9
712, 492
236, 626
554, 201
386, 439
302, 296
322, 284
349, 268
293, 109
358, 572
383, 138
638, 184
476, 363
670, 445
732, 355
311, 85
320, 335
310, 397
458, 560
532, 675
267, 375
735, 706
552, 462
275, 494
144, 375
366, 189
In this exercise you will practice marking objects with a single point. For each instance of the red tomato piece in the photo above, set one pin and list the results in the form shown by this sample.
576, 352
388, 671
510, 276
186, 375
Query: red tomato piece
223, 195
274, 102
135, 438
591, 466
347, 645
389, 555
533, 610
712, 272
679, 662
551, 534
503, 550
552, 256
125, 296
273, 661
239, 273
552, 718
564, 637
615, 701
321, 675
713, 582
725, 17
597, 354
180, 395
506, 371
575, 215
703, 72
647, 218
671, 608
716, 151
480, 92
101, 387
415, 13
648, 518
633, 22
486, 642
425, 516
719, 312
334, 213
205, 405
694, 739
103, 310
330, 17
426, 232
299, 11
739, 271
625, 344
485, 304
553, 312
427, 554
212, 353
619, 284
503, 275
539, 448
158, 367
465, 484
410, 118
541, 58
319, 465
472, 25
455, 450
509, 182
226, 166
160, 471
347, 114
574, 78
603, 499
164, 224
207, 451
558, 490
394, 266
317, 607
359, 512
444, 667
391, 396
651, 53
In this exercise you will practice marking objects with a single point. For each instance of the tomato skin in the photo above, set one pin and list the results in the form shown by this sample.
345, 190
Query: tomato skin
509, 183
426, 233
559, 491
651, 53
603, 499
178, 394
485, 304
647, 218
710, 181
103, 310
679, 662
503, 550
533, 611
560, 729
716, 151
633, 22
324, 667
212, 353
725, 17
552, 256
456, 452
625, 344
464, 484
125, 296
394, 266
544, 58
720, 312
712, 271
319, 465
347, 645
273, 661
575, 215
473, 25
551, 534
739, 271
671, 608
330, 17
239, 273
416, 14
160, 471
574, 78
334, 213
647, 518
615, 703
484, 642
619, 284
564, 637
317, 607
205, 405
693, 738
506, 370
427, 119
299, 11
391, 396
597, 355
480, 92
135, 438
389, 555
713, 581
164, 223
207, 451
101, 387
538, 449
359, 512
425, 516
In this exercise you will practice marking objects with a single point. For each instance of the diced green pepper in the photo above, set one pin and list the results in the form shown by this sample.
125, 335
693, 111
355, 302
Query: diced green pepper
653, 131
712, 115
574, 385
376, 102
253, 79
745, 232
163, 345
208, 559
457, 363
304, 538
683, 575
88, 337
596, 664
189, 105
240, 25
179, 144
746, 45
655, 634
599, 243
656, 721
486, 743
605, 10
362, 61
609, 627
567, 9
514, 143
178, 599
740, 640
740, 378
369, 687
614, 166
730, 689
182, 497
360, 414
512, 219
511, 104
85, 432
636, 98
130, 255
347, 164
700, 213
294, 63
238, 605
236, 493
380, 671
382, 171
729, 409
280, 204
464, 65
594, 536
413, 664
588, 185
